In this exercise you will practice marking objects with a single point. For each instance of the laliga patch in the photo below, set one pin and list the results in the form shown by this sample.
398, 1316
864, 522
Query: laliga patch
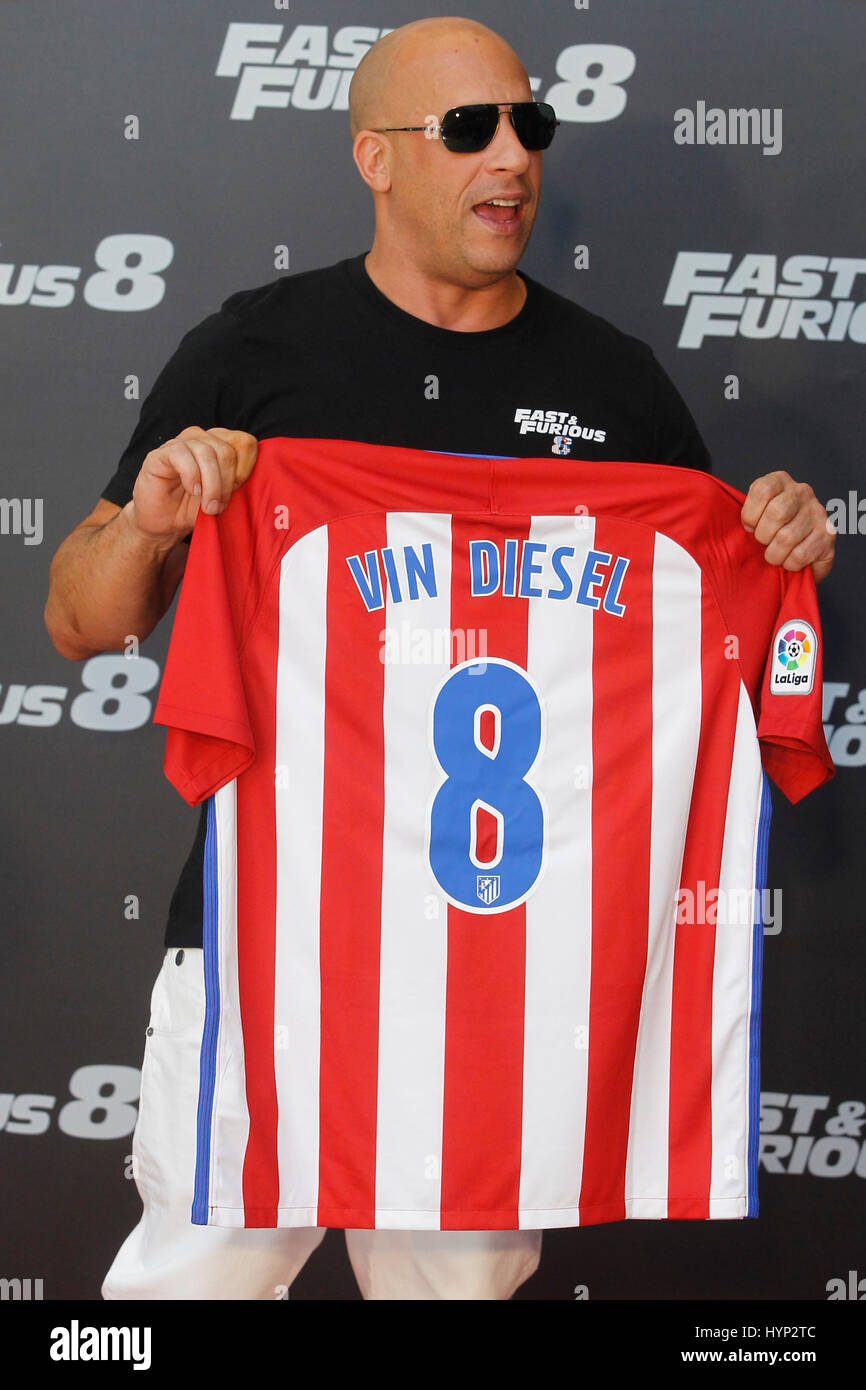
795, 648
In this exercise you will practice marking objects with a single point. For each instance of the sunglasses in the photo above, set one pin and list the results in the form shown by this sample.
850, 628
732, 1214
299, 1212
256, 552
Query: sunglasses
467, 129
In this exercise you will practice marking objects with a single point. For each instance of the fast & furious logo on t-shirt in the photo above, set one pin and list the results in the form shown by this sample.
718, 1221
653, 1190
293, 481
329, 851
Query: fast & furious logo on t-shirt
563, 428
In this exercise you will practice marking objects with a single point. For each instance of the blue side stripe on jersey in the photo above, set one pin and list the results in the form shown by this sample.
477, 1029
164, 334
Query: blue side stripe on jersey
458, 454
755, 1019
207, 1062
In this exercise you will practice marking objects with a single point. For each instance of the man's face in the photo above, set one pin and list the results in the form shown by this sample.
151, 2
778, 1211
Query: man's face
436, 202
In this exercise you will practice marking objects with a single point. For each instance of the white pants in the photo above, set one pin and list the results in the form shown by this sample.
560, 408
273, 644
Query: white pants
167, 1257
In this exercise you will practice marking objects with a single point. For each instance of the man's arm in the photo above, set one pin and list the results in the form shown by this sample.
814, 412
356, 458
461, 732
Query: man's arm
117, 572
107, 581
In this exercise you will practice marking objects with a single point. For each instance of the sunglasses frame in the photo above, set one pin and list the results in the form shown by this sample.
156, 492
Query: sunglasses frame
433, 128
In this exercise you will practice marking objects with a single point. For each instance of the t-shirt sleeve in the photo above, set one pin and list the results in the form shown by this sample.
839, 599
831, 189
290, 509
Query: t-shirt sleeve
188, 391
793, 747
676, 438
203, 699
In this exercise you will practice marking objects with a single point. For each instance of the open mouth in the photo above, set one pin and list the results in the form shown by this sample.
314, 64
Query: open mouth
501, 215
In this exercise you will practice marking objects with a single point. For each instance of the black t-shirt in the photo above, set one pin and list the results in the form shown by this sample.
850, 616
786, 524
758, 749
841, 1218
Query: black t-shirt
326, 355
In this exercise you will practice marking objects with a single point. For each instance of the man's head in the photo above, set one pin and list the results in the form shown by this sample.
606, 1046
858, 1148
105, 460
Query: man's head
429, 202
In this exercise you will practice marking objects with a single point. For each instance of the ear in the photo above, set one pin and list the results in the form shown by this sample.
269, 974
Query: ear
372, 154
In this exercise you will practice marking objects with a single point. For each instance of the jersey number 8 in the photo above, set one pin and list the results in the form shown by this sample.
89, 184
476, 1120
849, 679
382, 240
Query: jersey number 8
486, 826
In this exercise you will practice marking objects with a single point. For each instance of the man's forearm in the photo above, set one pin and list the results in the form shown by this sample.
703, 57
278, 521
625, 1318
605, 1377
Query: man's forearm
108, 582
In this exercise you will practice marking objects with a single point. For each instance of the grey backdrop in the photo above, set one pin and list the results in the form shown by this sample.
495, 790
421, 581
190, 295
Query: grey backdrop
89, 820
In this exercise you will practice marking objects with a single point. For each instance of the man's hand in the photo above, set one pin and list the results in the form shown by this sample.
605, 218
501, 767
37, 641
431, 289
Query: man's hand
787, 518
200, 468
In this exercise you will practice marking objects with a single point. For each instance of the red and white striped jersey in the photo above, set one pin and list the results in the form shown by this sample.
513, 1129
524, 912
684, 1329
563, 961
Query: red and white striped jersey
484, 742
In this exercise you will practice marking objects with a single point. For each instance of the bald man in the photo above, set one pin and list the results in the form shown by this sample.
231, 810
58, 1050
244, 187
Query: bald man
348, 352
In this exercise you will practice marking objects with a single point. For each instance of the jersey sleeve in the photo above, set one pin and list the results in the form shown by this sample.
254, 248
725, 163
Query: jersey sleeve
793, 747
202, 697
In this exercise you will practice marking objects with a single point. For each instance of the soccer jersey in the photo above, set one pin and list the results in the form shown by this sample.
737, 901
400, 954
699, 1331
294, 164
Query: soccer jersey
484, 752
554, 379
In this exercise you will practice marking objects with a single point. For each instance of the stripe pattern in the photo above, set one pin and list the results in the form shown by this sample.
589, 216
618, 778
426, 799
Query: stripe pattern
377, 1055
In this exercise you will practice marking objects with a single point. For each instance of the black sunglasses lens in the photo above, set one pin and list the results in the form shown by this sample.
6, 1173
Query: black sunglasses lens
534, 123
466, 129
